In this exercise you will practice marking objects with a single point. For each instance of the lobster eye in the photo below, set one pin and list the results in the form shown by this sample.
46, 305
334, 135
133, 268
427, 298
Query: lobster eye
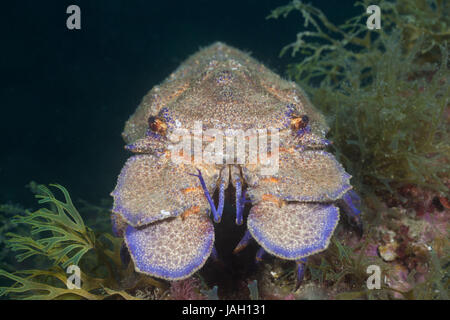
157, 125
300, 122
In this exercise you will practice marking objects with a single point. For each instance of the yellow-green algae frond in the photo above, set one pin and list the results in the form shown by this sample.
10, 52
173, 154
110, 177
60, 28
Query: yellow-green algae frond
58, 234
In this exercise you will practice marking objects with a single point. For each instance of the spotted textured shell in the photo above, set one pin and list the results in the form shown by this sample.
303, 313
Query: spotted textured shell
165, 210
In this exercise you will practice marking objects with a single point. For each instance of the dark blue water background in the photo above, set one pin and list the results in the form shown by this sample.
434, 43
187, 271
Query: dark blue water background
65, 95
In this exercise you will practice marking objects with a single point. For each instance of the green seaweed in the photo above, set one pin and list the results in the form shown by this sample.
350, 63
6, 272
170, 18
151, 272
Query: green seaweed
28, 287
385, 92
58, 234
6, 225
345, 270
